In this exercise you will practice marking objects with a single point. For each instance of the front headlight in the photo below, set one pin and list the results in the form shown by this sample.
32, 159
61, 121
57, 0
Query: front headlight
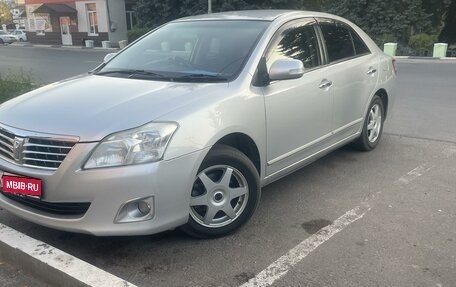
141, 145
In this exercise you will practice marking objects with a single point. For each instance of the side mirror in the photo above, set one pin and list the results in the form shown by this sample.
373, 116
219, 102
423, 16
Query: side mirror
108, 57
286, 69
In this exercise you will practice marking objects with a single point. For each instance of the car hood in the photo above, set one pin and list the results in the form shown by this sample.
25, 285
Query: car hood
92, 107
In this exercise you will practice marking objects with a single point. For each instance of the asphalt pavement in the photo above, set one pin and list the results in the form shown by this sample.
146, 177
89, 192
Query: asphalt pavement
11, 276
404, 193
46, 65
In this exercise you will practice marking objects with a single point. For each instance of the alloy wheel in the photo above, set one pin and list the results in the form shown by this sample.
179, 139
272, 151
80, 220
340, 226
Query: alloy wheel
374, 123
219, 196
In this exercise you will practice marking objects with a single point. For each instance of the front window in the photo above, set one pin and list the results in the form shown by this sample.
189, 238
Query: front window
92, 19
300, 44
203, 51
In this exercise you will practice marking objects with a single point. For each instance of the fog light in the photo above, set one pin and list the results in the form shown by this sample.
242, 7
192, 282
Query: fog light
143, 207
134, 210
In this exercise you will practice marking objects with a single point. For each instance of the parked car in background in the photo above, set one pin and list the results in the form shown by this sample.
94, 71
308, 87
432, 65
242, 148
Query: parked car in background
185, 126
6, 38
19, 35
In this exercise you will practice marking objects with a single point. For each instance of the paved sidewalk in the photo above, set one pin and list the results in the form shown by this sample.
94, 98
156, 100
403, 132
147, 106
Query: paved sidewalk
27, 44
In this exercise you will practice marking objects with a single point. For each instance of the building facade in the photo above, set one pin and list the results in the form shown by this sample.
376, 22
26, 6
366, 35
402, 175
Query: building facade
71, 22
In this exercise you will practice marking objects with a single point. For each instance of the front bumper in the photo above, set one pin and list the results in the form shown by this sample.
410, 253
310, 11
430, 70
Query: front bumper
107, 189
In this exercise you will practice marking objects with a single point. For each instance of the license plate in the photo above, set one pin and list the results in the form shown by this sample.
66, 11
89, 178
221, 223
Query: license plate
21, 185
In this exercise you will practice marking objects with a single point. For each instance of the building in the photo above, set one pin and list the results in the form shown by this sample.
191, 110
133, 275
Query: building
18, 14
71, 22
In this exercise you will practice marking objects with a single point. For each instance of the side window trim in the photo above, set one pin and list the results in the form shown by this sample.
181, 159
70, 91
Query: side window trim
322, 45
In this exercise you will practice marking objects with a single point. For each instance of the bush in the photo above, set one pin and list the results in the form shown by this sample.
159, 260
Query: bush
422, 41
13, 84
136, 33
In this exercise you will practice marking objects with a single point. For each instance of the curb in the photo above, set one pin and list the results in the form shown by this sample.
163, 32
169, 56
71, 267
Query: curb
24, 262
424, 58
51, 265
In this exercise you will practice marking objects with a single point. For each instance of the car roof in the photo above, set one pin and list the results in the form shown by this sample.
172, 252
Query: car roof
265, 15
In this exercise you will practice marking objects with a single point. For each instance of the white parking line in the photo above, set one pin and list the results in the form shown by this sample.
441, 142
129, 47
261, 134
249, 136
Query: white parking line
42, 253
282, 265
415, 173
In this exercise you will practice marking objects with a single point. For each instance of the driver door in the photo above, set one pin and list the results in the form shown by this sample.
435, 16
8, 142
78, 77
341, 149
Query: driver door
298, 111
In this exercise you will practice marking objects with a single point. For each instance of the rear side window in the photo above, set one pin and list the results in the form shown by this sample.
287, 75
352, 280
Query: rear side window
299, 43
339, 44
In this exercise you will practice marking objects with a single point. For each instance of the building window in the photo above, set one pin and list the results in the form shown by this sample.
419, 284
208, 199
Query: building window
92, 19
131, 19
37, 22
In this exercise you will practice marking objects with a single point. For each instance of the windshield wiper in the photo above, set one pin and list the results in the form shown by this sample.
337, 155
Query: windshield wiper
131, 73
199, 77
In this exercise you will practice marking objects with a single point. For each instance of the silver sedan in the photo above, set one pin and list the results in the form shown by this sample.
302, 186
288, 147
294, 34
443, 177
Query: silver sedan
185, 126
6, 38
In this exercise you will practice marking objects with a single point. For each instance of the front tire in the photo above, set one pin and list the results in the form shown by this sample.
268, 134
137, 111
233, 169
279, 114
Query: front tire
225, 193
373, 126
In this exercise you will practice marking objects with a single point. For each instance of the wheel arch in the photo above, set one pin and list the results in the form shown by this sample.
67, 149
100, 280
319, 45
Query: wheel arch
244, 144
384, 97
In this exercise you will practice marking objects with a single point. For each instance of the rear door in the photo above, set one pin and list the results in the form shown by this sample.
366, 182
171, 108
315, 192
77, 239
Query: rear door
353, 71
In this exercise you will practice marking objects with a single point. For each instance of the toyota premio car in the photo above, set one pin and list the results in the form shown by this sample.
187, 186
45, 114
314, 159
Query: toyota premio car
185, 126
6, 38
20, 35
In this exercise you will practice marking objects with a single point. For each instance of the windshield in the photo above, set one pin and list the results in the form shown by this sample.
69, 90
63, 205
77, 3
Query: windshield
189, 51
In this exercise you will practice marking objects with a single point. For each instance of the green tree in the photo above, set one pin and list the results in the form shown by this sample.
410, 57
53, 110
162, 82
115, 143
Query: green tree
192, 7
5, 15
439, 12
448, 34
314, 5
156, 12
152, 13
397, 19
384, 20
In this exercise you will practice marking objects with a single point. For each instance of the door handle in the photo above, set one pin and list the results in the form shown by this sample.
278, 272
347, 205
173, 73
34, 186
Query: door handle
371, 71
325, 84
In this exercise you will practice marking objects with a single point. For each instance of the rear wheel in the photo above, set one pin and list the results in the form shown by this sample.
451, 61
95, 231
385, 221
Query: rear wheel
373, 126
225, 193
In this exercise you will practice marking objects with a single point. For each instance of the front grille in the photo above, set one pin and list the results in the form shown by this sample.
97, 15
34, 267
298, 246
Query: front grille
60, 208
47, 153
6, 144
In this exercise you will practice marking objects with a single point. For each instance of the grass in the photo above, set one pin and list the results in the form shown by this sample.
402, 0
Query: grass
13, 84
